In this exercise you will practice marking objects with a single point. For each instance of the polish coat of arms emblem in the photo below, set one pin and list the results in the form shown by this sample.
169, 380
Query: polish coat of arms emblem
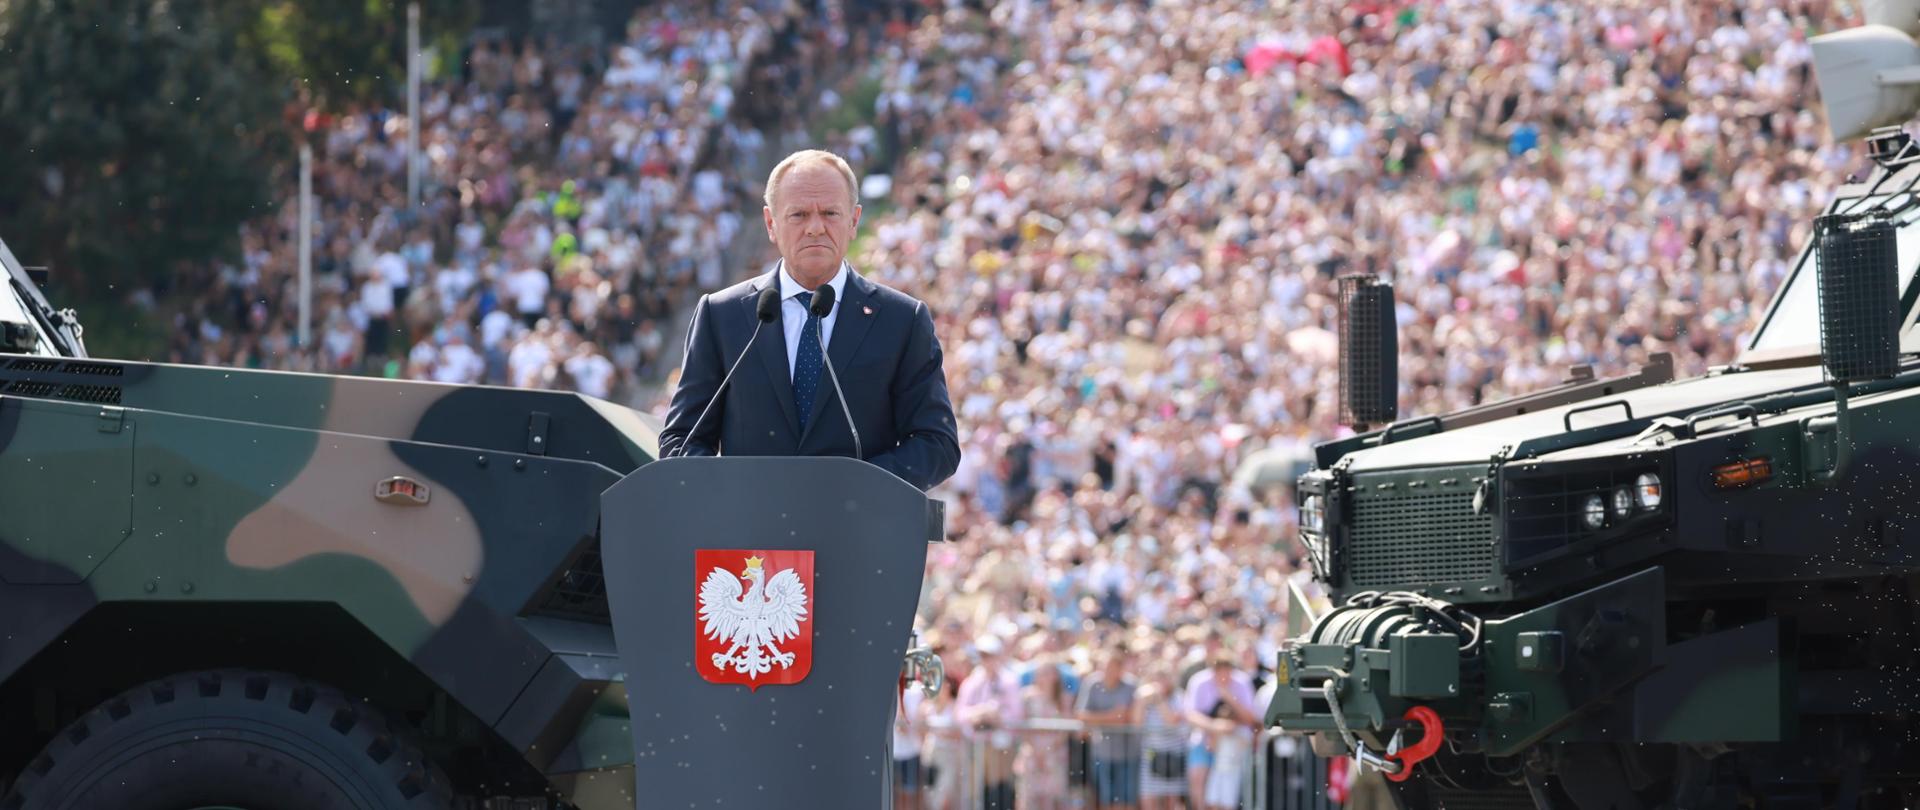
753, 623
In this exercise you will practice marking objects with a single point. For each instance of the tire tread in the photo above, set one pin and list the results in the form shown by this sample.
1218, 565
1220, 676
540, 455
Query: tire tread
387, 746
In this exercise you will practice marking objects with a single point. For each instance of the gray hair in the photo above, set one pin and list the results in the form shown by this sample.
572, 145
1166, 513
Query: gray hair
812, 157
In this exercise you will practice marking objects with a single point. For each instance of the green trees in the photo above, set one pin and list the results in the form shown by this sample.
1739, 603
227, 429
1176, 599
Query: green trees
347, 51
135, 135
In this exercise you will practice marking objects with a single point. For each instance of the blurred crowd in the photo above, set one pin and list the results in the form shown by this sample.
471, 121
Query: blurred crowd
1129, 218
572, 196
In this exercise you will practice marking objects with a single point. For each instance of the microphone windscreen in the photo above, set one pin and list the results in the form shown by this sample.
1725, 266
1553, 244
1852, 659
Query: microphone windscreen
768, 307
823, 301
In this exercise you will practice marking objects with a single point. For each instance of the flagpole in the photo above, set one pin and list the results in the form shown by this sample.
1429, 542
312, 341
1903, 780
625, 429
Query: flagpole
413, 105
306, 244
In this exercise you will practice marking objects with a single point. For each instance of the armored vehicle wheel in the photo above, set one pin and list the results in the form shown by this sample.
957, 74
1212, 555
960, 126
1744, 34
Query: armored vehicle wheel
231, 738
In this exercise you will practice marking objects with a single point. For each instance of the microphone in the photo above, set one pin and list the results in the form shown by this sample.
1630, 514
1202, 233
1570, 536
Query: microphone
766, 310
822, 305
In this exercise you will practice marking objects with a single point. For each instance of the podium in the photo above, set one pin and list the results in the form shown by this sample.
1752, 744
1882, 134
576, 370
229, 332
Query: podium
762, 607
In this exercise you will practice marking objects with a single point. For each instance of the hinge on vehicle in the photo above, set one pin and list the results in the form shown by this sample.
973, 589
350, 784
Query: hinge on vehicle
1483, 490
537, 433
1891, 147
112, 418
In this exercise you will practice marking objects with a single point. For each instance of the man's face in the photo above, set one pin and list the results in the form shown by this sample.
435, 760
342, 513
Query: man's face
812, 222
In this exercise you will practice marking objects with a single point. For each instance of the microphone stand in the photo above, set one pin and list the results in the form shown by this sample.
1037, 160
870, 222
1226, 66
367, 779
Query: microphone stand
822, 306
844, 410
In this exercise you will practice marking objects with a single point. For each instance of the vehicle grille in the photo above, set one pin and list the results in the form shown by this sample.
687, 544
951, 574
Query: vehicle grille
31, 388
1407, 537
97, 369
580, 592
31, 364
44, 378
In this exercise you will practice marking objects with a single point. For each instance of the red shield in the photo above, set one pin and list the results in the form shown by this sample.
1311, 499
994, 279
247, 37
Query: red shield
752, 616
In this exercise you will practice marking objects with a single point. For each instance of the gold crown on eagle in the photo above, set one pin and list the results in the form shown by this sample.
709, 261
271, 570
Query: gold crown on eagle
754, 562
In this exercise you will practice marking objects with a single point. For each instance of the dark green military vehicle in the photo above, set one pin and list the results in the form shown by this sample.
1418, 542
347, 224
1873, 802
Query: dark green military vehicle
1643, 592
227, 588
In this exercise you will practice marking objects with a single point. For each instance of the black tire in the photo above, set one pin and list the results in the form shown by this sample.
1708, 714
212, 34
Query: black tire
230, 738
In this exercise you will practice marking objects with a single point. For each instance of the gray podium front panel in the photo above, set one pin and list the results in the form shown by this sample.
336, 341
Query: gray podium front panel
819, 743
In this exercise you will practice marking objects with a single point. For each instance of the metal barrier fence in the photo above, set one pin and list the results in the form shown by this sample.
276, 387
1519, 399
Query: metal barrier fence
1071, 764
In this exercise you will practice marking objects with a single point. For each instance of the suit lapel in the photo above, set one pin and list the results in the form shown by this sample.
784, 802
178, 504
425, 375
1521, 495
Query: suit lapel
849, 329
772, 348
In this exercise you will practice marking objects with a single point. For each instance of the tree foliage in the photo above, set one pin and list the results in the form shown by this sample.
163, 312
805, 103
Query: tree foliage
347, 51
139, 134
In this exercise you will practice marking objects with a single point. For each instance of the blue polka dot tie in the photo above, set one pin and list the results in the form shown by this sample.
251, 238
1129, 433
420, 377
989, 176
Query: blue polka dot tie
807, 365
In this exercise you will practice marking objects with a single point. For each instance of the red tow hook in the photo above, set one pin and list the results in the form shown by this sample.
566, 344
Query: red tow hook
1432, 732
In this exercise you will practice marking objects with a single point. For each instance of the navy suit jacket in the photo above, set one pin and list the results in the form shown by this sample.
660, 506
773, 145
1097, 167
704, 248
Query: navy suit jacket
889, 363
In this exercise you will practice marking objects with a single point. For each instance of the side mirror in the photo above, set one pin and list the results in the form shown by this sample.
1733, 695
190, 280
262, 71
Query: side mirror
1868, 78
1859, 269
1369, 352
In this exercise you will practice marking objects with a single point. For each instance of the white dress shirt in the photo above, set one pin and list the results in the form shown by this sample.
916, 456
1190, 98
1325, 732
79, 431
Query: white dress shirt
793, 316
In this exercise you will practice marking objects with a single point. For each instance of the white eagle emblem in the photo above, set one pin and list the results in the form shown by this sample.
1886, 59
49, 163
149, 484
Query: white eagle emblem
753, 623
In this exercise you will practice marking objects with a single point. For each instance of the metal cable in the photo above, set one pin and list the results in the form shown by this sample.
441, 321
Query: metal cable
1361, 753
1453, 617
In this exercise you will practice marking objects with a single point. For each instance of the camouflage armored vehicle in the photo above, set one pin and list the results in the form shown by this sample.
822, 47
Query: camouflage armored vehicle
265, 590
1645, 592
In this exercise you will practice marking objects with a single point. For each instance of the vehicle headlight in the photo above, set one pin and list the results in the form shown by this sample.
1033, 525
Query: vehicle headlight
1647, 489
1313, 514
1553, 508
1622, 503
1594, 513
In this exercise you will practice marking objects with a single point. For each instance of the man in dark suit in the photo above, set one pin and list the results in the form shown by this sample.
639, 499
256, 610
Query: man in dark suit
880, 341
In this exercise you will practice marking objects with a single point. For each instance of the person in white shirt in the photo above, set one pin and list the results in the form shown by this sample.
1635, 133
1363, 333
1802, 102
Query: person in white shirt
528, 288
452, 283
422, 359
909, 726
592, 372
377, 304
343, 346
393, 267
459, 363
495, 327
468, 236
528, 362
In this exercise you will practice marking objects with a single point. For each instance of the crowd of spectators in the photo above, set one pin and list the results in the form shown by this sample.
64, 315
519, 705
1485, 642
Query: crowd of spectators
572, 196
1128, 219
